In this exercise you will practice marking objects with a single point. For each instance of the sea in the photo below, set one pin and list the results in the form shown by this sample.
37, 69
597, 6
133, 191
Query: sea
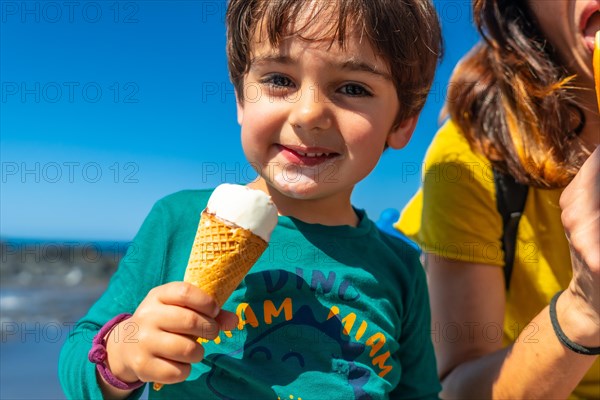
45, 288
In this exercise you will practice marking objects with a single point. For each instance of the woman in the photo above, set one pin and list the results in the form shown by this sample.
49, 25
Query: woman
521, 105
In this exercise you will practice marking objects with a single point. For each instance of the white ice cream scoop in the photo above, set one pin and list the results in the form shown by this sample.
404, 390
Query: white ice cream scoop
245, 207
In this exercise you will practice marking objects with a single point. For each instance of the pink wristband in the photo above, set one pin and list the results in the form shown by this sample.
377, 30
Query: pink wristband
98, 355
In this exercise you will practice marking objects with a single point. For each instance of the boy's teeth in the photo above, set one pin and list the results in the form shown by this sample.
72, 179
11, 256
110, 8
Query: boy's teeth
311, 154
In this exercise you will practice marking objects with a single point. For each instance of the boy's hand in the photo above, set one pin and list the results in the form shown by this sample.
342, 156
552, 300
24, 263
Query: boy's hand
158, 343
580, 204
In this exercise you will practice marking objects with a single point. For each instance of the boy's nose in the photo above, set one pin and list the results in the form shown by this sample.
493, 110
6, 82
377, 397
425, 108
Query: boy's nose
310, 110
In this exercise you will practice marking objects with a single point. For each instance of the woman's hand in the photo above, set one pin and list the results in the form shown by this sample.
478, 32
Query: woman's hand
580, 204
158, 343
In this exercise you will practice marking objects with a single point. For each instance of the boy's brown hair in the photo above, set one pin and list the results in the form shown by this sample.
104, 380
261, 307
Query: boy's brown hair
405, 33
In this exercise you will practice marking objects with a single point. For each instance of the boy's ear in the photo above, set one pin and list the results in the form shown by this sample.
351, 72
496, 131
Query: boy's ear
401, 133
240, 109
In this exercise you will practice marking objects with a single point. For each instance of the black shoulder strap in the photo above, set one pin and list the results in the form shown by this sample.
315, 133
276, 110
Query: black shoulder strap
510, 201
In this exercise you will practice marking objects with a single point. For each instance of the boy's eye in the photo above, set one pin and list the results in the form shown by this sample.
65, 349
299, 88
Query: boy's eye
353, 89
277, 80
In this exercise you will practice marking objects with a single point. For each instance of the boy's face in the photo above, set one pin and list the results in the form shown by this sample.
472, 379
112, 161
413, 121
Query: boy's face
315, 118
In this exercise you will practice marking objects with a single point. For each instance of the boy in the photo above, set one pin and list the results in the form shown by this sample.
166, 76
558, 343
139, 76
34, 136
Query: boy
334, 309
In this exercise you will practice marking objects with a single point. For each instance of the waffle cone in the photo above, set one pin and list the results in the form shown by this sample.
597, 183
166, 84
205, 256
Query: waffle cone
597, 68
222, 254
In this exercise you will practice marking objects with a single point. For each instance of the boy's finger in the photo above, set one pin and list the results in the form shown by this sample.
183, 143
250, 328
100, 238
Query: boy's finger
184, 294
184, 321
178, 348
227, 320
164, 371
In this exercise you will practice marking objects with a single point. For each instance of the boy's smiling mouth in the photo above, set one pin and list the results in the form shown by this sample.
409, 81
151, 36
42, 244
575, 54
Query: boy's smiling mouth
307, 156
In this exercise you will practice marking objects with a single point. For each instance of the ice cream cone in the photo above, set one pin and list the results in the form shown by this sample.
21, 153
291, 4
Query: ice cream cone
233, 232
222, 254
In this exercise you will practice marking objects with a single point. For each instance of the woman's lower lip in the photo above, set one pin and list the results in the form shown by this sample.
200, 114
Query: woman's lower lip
299, 159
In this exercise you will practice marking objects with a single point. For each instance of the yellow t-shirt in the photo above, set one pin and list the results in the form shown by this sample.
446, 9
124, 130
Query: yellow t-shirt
454, 215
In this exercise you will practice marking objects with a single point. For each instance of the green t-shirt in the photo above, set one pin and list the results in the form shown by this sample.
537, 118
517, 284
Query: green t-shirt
327, 312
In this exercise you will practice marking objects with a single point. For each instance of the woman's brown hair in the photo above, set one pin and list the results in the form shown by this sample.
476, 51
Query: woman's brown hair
511, 98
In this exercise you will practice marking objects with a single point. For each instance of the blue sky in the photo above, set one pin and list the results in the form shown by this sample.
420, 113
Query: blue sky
107, 106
